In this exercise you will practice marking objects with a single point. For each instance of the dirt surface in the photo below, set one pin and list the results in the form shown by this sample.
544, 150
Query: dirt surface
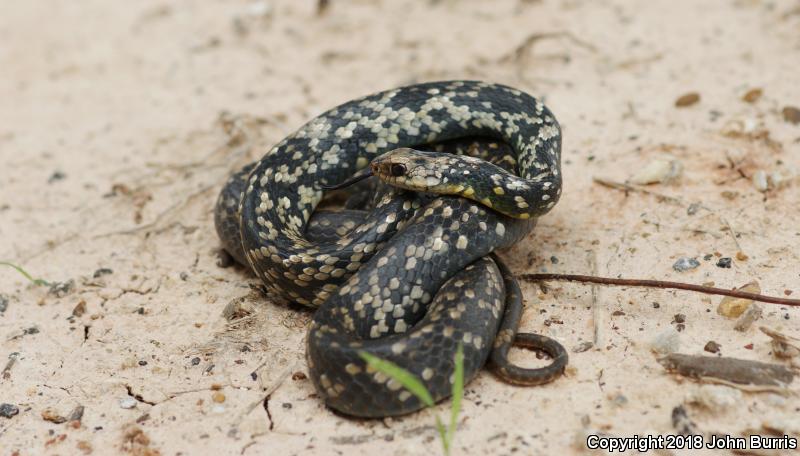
119, 124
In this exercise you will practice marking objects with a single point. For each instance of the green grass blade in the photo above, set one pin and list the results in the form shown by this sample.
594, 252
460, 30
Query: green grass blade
458, 393
400, 375
25, 273
443, 436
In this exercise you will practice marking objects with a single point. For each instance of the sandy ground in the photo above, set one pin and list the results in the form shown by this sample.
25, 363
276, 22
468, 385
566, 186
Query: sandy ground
119, 123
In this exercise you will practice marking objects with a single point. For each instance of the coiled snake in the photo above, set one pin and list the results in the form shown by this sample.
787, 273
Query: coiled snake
414, 277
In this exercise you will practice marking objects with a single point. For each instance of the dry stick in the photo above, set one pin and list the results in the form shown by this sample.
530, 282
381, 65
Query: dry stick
660, 284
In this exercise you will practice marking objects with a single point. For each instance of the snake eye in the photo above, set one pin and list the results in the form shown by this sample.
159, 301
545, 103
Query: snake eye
397, 170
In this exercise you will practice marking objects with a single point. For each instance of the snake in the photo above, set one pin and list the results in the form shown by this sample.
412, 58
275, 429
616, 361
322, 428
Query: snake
384, 214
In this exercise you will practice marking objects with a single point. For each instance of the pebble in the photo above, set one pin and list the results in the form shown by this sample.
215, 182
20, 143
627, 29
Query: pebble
77, 413
791, 114
53, 416
778, 179
8, 410
734, 307
61, 289
619, 400
687, 99
724, 262
127, 402
760, 180
658, 171
667, 341
79, 309
299, 376
195, 361
712, 347
747, 319
102, 271
685, 264
218, 397
752, 95
56, 176
3, 303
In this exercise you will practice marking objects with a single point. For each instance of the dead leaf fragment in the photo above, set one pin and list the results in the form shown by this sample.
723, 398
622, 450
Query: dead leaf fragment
783, 346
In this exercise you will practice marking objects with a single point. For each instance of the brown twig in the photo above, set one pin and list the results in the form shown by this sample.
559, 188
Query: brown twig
660, 284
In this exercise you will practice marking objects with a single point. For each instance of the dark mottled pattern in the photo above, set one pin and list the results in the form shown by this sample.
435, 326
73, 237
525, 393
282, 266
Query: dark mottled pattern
426, 284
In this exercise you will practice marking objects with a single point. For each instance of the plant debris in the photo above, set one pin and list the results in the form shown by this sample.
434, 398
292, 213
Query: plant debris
582, 347
783, 346
733, 370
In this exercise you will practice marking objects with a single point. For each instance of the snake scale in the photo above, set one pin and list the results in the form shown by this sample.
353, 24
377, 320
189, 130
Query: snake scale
410, 275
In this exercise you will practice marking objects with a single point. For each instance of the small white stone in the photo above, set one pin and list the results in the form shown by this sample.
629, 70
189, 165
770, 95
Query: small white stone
667, 341
127, 403
760, 180
658, 171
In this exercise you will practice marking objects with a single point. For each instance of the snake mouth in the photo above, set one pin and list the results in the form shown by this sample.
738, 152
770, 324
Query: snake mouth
357, 177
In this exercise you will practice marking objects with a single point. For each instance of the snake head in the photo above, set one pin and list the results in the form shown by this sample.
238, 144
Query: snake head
413, 169
466, 176
405, 168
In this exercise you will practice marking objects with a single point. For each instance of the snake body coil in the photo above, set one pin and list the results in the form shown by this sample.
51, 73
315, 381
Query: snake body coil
412, 278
